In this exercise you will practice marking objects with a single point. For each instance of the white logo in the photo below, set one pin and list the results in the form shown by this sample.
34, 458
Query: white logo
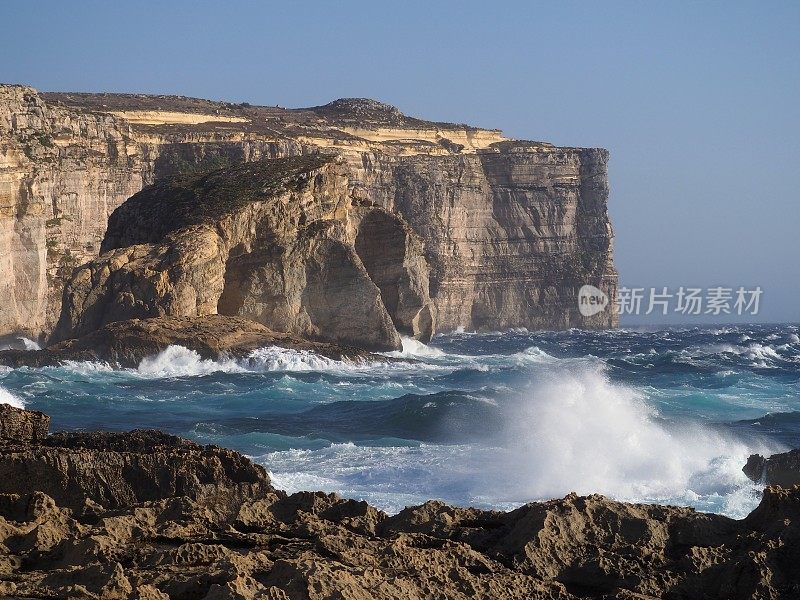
591, 300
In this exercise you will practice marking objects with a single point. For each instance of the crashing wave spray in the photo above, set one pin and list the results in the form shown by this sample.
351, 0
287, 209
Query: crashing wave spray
577, 431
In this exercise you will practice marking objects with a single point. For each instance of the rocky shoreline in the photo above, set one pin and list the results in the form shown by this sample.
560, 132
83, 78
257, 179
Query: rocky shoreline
149, 515
126, 343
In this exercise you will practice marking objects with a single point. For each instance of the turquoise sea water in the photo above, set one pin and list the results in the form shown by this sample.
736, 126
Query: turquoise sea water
493, 420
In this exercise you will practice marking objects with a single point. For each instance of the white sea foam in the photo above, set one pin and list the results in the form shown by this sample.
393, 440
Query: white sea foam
759, 355
7, 397
87, 368
415, 349
762, 356
273, 358
30, 344
177, 361
21, 343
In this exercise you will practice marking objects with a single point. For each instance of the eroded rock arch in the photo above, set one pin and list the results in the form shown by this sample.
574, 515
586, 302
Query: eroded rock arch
394, 259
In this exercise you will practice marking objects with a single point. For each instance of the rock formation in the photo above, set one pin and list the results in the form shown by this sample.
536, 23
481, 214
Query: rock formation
508, 230
22, 426
146, 515
275, 241
779, 469
127, 343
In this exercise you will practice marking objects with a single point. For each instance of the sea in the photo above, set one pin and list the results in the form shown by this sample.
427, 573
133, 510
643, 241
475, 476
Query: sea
492, 420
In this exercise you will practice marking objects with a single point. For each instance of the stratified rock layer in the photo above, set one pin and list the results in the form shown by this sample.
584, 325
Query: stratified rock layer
146, 515
509, 230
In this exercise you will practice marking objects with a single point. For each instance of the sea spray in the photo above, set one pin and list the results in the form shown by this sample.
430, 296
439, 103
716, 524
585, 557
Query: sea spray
7, 397
20, 342
415, 349
575, 430
177, 361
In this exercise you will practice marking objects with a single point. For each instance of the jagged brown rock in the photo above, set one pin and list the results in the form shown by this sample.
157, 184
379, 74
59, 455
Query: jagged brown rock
97, 470
126, 343
22, 426
510, 229
261, 543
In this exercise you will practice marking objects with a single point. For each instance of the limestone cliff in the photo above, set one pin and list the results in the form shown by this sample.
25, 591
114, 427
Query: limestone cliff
509, 230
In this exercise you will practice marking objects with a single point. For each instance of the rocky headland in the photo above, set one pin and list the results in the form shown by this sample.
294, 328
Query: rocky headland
432, 226
149, 515
276, 241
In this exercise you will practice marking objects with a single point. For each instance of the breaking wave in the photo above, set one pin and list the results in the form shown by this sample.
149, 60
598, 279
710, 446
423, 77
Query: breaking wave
415, 349
578, 431
177, 361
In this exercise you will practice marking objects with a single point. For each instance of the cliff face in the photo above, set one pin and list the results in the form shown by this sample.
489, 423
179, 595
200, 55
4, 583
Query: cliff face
61, 175
511, 233
508, 231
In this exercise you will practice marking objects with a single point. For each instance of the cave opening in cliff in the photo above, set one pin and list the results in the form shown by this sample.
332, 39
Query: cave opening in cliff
381, 246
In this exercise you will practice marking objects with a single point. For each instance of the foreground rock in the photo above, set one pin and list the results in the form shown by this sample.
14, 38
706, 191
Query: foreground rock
126, 343
97, 471
779, 469
199, 522
22, 426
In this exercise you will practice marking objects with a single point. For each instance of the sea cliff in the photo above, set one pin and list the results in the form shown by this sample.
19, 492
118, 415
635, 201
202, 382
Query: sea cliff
498, 233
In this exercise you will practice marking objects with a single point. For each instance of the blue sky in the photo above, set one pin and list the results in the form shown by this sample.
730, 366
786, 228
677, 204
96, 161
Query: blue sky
697, 102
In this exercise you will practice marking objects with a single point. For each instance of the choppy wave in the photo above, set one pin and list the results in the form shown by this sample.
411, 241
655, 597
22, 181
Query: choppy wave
178, 361
491, 419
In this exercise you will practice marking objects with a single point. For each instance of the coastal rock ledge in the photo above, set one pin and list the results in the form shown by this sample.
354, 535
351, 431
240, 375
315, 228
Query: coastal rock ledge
146, 515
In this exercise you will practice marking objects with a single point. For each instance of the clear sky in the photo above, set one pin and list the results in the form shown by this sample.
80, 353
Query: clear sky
699, 103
